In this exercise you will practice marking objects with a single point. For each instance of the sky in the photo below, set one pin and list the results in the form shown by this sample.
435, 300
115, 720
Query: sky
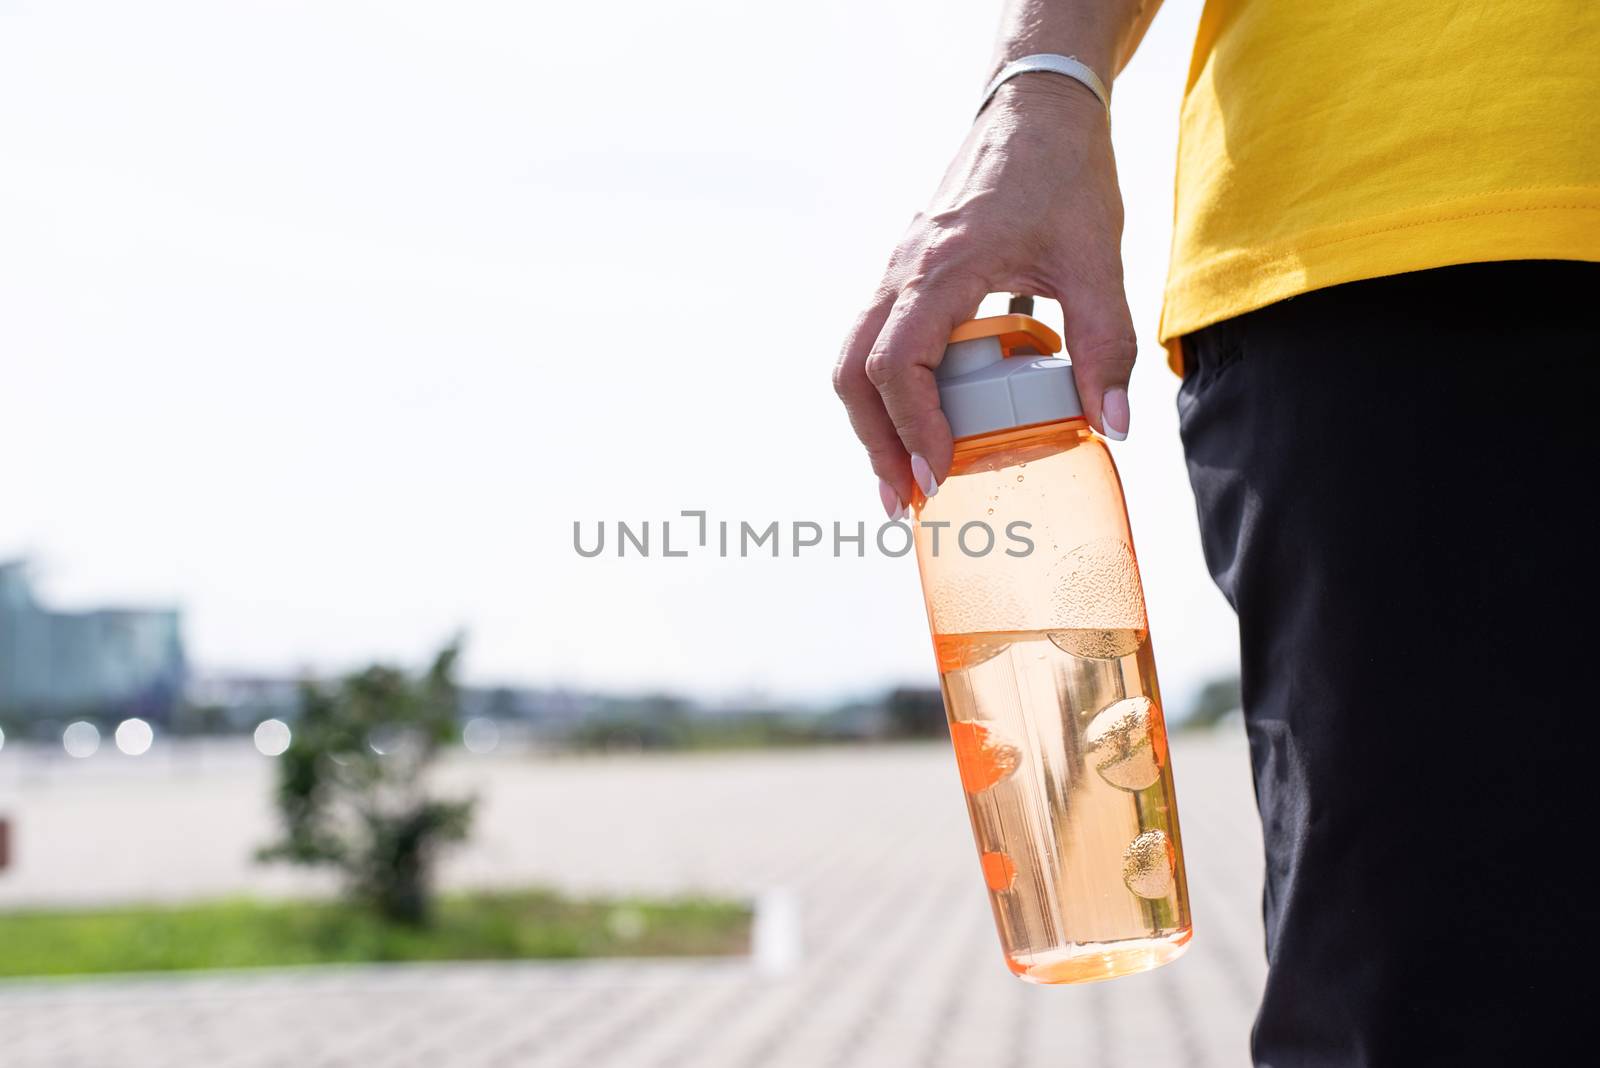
326, 321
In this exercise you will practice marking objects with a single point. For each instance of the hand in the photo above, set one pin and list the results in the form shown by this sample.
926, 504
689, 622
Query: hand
1029, 205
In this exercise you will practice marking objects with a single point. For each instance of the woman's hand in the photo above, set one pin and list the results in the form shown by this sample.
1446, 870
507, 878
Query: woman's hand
1030, 205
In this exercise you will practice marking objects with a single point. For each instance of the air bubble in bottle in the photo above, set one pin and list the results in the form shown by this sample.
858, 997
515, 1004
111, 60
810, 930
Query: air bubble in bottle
1125, 744
1147, 865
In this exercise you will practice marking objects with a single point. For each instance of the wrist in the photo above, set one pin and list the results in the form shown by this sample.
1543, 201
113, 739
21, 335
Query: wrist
1049, 95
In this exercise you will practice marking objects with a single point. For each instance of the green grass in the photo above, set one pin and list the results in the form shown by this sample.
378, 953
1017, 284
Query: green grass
246, 933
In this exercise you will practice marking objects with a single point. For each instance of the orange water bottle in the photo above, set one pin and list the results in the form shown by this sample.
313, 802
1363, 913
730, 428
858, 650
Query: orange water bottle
1039, 626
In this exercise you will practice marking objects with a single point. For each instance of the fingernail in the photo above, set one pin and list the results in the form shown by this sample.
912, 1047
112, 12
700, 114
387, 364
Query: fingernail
1114, 413
924, 476
891, 500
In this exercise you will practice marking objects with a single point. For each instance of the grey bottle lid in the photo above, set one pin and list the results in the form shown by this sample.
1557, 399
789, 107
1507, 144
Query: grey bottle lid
1000, 372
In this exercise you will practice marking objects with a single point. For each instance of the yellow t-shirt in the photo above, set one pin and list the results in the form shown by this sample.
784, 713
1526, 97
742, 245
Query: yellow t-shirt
1326, 142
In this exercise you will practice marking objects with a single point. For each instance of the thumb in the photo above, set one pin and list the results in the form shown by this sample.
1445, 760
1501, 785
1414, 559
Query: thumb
1098, 331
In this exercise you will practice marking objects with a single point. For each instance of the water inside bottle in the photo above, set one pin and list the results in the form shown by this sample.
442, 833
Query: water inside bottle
1062, 751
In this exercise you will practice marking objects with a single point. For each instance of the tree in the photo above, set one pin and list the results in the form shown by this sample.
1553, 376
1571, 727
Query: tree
915, 713
352, 786
1216, 699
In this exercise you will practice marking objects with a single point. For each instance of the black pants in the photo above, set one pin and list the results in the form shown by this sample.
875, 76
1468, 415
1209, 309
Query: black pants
1396, 482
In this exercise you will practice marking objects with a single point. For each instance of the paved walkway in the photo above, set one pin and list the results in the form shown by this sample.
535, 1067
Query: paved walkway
899, 963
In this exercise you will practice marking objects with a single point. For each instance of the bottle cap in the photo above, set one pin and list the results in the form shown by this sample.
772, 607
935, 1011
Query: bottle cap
1000, 372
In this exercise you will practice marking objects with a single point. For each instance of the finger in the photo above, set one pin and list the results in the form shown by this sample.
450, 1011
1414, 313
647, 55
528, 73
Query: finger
910, 345
1098, 331
864, 406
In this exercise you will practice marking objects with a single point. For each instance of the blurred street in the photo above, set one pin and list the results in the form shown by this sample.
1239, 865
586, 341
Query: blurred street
896, 961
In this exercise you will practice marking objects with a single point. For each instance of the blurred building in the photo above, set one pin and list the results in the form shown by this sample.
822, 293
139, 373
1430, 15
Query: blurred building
112, 662
224, 701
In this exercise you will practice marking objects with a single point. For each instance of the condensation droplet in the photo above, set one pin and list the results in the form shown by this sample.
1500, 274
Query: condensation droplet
991, 511
1147, 865
1125, 744
1019, 478
1096, 599
982, 757
969, 606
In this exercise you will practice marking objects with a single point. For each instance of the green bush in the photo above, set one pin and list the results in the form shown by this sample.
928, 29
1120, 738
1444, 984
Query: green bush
352, 787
